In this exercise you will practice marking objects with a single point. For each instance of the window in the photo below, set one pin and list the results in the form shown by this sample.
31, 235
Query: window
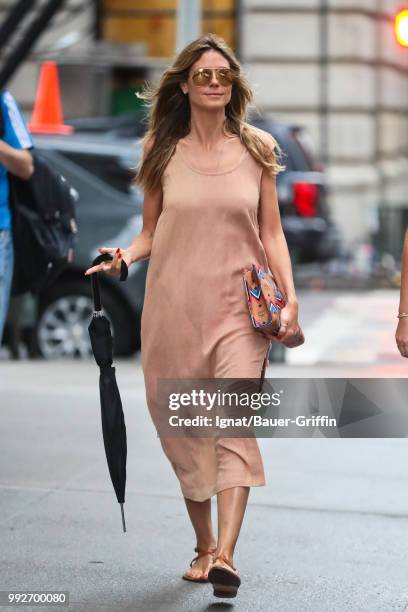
116, 171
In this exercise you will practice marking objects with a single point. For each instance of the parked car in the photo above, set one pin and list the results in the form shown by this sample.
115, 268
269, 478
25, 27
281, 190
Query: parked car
109, 213
302, 189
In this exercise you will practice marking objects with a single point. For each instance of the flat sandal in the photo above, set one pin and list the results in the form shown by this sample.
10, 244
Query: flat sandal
201, 553
225, 583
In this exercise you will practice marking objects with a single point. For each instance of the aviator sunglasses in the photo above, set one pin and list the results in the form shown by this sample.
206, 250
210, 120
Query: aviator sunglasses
203, 76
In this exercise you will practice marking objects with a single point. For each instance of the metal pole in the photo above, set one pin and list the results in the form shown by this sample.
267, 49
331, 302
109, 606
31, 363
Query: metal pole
188, 22
98, 19
239, 23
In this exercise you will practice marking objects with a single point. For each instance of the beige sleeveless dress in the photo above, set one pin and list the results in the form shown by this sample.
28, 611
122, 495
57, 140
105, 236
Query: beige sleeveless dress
208, 230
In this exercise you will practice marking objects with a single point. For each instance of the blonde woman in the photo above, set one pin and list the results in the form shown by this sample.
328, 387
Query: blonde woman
210, 210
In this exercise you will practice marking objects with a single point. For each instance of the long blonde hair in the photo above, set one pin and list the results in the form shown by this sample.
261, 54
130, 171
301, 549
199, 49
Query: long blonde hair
169, 115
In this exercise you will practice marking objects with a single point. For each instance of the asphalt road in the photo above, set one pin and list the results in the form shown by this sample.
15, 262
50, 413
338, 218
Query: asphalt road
327, 532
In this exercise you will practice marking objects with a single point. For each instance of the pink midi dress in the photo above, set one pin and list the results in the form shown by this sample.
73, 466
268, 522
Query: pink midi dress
207, 232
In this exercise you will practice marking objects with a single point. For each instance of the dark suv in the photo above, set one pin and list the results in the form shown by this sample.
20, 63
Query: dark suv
302, 189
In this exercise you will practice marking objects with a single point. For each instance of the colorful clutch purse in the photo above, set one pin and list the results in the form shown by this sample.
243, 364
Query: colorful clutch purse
265, 301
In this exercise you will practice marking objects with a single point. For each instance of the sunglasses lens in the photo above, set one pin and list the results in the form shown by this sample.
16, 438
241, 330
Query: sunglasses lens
203, 77
224, 77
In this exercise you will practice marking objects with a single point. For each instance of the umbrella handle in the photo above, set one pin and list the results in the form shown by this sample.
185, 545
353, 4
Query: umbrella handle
95, 281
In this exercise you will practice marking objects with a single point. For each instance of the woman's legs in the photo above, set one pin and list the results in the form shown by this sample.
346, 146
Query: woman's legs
231, 509
200, 516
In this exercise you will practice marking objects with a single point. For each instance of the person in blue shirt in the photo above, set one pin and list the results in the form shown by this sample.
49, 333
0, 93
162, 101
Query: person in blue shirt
15, 158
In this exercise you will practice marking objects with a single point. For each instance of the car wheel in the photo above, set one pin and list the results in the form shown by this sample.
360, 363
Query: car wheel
65, 312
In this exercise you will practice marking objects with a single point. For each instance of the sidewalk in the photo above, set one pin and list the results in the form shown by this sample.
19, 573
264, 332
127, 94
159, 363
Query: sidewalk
327, 533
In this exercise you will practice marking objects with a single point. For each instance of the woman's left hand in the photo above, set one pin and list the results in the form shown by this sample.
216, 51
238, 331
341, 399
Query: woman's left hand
289, 321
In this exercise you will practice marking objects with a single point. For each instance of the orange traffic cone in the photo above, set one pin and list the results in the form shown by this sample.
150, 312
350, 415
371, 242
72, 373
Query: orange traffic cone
47, 113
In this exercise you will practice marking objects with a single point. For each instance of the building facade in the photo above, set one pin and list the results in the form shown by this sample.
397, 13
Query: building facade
333, 66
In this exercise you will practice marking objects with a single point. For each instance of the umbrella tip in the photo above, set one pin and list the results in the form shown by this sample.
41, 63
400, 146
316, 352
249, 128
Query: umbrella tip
123, 518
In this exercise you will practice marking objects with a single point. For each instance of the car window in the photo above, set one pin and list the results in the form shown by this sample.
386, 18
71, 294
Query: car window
301, 150
308, 145
297, 153
117, 172
88, 184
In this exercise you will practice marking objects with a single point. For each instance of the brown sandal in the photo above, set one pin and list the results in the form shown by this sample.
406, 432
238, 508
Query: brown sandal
201, 553
225, 583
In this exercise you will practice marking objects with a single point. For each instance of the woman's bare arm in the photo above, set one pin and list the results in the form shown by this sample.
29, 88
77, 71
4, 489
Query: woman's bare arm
403, 304
401, 335
141, 246
276, 249
273, 238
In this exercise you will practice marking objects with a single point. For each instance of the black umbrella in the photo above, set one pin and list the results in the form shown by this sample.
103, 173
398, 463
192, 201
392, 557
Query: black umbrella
113, 422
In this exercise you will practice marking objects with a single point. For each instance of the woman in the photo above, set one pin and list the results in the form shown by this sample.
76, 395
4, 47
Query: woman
210, 210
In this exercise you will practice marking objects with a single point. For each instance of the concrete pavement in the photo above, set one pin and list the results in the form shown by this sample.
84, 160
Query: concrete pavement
327, 533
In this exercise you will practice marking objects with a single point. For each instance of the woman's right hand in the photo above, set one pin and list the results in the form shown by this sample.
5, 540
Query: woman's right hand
112, 267
401, 336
